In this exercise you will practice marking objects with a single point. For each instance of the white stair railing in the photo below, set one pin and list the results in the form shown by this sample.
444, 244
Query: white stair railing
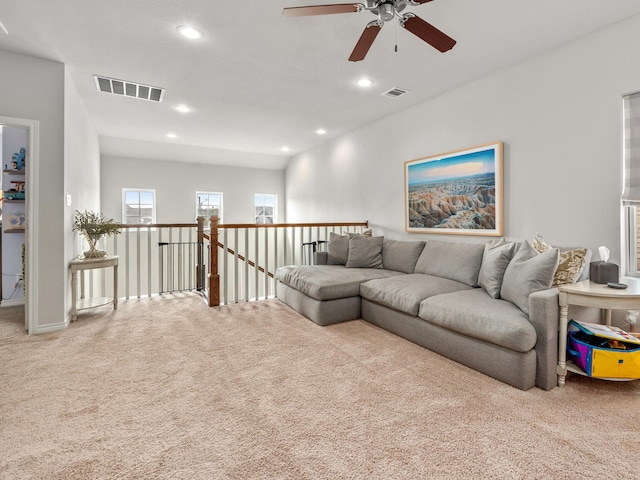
244, 264
229, 263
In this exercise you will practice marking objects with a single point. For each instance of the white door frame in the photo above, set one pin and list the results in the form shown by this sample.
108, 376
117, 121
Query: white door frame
31, 200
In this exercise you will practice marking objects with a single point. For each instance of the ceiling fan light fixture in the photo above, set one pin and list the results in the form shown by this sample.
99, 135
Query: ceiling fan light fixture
386, 12
189, 32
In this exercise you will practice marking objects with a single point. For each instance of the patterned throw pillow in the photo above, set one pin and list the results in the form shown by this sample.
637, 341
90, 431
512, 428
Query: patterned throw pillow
570, 265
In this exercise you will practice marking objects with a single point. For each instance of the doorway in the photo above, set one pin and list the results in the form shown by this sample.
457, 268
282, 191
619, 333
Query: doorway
20, 154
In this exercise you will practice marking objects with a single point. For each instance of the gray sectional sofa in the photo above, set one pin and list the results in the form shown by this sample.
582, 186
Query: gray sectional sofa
488, 306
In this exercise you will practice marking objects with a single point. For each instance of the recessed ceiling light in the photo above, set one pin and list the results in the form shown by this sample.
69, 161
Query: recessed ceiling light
285, 149
183, 108
364, 82
172, 135
321, 131
190, 32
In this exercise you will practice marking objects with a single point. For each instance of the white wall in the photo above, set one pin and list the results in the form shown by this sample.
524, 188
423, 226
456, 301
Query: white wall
176, 184
33, 89
81, 171
559, 115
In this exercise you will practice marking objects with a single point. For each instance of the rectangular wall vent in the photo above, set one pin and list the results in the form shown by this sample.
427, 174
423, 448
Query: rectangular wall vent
128, 89
395, 92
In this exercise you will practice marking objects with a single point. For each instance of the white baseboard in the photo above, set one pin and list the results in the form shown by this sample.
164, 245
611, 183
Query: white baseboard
11, 303
52, 327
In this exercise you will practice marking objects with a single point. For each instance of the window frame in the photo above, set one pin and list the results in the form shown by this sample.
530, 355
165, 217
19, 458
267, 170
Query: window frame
630, 223
630, 201
127, 190
274, 217
220, 206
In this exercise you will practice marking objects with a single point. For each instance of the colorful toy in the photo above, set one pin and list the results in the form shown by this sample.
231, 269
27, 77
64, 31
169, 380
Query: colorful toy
17, 159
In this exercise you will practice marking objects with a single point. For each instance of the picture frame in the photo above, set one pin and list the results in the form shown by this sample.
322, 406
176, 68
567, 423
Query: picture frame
14, 221
459, 192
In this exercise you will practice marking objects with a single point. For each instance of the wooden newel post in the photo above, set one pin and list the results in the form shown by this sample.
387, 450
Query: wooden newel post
214, 277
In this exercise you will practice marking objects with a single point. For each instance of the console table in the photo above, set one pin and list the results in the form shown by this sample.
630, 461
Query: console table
590, 294
79, 265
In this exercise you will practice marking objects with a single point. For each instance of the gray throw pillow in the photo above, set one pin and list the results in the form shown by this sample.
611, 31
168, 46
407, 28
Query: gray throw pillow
365, 252
495, 261
338, 249
401, 256
528, 272
453, 260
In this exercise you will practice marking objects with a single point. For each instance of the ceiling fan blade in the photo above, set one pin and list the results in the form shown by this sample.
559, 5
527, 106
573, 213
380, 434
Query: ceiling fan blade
366, 40
419, 2
323, 9
427, 32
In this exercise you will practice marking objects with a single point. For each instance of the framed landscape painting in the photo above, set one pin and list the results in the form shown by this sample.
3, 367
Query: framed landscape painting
457, 192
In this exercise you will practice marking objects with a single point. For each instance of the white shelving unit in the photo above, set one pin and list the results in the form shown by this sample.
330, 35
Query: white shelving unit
13, 213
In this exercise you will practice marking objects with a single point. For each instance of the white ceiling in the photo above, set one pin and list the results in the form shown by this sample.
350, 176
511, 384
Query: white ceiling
259, 80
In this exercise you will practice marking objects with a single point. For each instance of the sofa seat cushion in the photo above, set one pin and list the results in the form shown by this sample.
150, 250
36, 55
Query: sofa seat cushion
405, 292
328, 282
475, 314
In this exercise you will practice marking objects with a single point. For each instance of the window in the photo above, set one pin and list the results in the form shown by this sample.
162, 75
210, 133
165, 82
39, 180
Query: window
631, 193
138, 206
208, 204
266, 204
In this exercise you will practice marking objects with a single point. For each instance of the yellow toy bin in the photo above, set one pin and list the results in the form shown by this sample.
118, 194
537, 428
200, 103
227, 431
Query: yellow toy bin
603, 351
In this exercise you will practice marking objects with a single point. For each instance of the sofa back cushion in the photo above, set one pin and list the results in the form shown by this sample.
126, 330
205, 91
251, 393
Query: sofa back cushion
401, 256
338, 249
528, 272
453, 260
365, 252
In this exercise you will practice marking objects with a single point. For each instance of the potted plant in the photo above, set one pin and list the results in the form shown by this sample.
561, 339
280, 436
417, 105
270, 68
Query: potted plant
93, 226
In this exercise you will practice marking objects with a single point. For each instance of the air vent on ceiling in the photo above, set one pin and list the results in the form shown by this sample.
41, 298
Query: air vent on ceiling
395, 92
128, 89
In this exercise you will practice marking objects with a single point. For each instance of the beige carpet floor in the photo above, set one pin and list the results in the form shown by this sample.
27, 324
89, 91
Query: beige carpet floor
168, 388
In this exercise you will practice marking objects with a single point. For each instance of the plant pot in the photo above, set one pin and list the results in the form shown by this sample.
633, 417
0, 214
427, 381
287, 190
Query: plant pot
93, 251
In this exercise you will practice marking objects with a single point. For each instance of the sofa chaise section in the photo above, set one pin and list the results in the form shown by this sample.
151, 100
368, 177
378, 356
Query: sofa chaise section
326, 294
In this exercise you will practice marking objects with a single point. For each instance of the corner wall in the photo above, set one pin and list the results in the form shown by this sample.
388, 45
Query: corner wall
33, 89
81, 172
559, 115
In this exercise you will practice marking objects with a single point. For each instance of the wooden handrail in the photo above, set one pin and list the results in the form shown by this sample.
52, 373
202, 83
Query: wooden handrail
251, 263
284, 225
243, 225
156, 225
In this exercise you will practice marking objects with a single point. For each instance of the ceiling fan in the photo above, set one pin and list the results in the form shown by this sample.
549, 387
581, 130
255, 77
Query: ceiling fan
385, 10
